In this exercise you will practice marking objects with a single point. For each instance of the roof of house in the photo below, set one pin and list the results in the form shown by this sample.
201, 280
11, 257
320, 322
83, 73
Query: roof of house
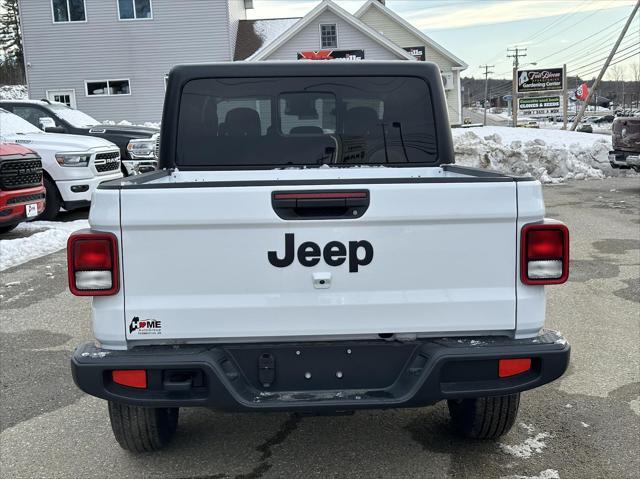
254, 34
270, 47
398, 19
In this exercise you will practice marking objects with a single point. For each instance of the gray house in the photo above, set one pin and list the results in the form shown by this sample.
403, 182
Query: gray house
110, 58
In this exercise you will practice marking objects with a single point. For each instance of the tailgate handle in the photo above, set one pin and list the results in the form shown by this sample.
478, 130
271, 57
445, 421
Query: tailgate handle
320, 205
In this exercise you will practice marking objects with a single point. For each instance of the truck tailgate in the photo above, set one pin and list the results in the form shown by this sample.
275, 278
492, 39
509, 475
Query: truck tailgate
195, 263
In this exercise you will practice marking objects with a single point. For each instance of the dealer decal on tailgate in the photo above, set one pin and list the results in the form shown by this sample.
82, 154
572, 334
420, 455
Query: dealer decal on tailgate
145, 326
334, 253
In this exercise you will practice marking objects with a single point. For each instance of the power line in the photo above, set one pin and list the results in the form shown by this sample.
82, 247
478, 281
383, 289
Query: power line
578, 42
600, 60
620, 60
558, 21
595, 85
596, 51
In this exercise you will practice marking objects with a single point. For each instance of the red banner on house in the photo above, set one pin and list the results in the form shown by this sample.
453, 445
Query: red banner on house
332, 55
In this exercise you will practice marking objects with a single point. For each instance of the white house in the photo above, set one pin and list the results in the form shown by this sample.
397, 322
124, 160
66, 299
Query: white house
328, 32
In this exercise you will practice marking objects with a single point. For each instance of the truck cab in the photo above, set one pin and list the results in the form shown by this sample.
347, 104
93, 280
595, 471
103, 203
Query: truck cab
315, 249
136, 143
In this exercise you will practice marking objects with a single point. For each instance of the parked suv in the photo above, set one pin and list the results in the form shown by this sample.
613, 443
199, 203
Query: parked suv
73, 165
22, 193
136, 143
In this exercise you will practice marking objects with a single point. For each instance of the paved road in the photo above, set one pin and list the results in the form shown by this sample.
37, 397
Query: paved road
478, 117
586, 425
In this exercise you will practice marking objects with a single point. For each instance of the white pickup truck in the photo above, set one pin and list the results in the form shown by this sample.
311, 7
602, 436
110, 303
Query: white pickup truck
73, 166
310, 246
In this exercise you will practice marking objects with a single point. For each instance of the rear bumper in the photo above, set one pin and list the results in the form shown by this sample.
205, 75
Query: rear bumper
624, 159
320, 376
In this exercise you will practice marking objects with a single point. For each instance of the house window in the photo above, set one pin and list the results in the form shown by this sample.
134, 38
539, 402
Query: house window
134, 9
108, 87
68, 11
328, 36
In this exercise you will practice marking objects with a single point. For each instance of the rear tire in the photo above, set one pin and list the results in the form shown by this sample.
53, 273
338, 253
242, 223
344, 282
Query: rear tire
141, 429
485, 417
53, 201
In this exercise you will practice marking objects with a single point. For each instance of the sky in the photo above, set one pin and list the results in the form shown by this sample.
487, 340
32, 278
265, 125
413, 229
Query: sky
579, 33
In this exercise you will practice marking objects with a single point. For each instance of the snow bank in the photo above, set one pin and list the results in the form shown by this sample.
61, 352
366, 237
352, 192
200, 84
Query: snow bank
53, 238
148, 124
13, 92
551, 156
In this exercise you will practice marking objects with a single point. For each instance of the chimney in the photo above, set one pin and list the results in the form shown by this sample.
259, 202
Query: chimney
381, 1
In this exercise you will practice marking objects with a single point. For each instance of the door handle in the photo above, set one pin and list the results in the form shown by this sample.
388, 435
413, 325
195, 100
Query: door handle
319, 205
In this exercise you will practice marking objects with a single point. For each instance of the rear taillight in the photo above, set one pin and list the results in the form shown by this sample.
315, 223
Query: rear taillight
93, 264
544, 253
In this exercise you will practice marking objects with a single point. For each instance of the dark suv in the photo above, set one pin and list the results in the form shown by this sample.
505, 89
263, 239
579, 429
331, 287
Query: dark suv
136, 143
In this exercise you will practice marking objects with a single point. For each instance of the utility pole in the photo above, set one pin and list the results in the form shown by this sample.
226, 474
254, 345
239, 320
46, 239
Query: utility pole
486, 89
565, 97
516, 53
579, 116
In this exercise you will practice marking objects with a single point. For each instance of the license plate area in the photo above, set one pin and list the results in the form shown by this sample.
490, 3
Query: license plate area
31, 210
317, 367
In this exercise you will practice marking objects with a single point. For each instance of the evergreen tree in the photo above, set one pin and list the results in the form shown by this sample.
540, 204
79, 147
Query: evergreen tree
12, 60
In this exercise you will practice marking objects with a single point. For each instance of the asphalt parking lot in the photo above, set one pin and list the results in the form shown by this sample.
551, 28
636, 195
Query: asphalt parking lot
586, 425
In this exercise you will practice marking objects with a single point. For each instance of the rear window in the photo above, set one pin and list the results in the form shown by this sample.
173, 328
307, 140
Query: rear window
305, 121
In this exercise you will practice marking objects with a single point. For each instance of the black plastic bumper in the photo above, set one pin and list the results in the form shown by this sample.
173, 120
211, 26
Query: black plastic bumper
341, 375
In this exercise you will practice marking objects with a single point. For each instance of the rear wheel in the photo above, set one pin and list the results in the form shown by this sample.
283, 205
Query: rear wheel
53, 201
141, 429
484, 418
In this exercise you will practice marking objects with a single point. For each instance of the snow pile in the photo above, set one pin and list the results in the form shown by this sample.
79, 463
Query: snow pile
13, 92
52, 238
271, 28
530, 446
551, 156
148, 124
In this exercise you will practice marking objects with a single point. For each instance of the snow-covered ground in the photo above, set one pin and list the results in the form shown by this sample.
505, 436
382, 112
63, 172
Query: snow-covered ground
49, 237
13, 92
551, 156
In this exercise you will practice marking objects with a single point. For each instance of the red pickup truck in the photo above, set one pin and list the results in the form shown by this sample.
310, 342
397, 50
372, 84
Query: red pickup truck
22, 195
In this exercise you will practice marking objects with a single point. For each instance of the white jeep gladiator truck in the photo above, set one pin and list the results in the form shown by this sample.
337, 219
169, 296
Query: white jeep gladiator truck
310, 246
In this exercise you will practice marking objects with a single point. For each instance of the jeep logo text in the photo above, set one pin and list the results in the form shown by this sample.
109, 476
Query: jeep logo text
334, 253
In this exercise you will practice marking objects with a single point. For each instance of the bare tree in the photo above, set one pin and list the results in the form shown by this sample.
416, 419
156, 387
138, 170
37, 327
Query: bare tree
634, 72
616, 74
